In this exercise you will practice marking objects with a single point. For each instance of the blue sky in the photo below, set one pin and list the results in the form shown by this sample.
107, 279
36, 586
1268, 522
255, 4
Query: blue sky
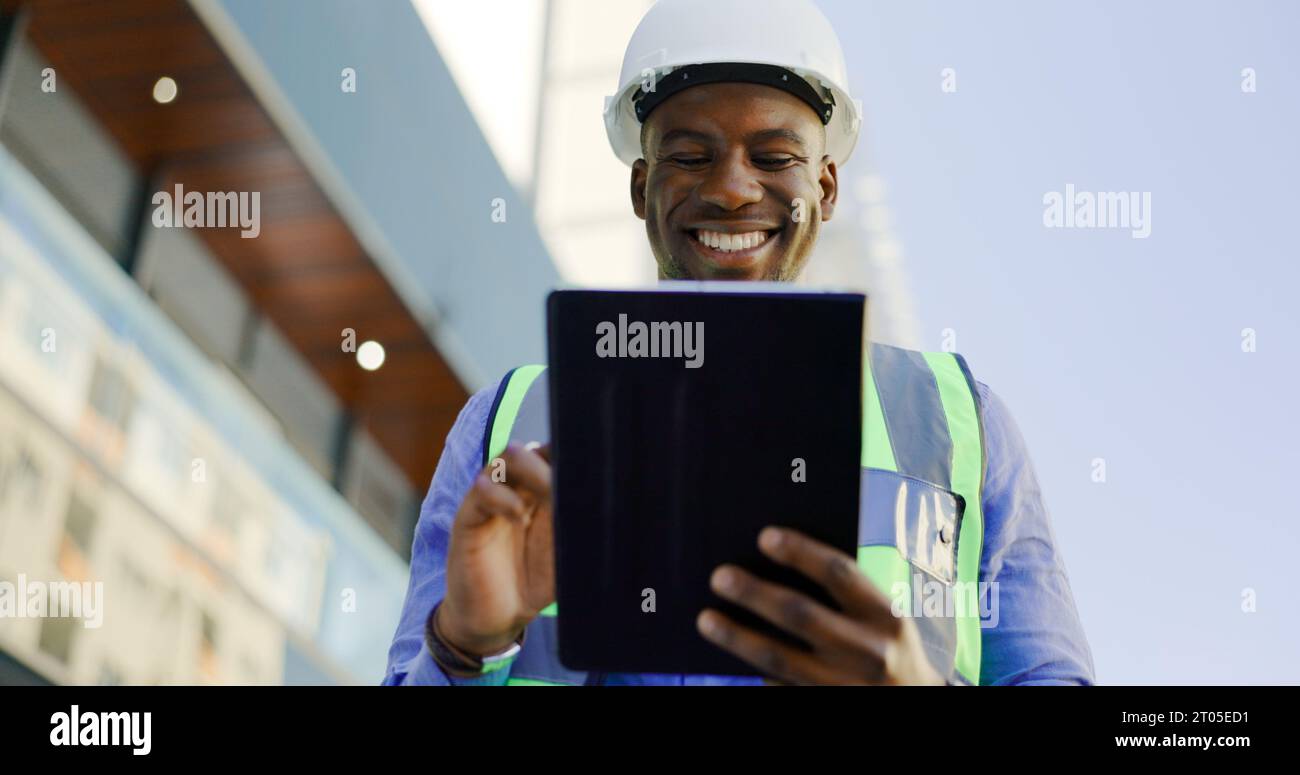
1105, 346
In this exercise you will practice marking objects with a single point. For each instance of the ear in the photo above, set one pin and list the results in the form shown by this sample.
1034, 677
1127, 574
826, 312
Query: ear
640, 171
830, 184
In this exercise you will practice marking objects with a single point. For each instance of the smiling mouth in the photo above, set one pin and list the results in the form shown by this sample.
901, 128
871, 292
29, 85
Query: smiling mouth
732, 250
725, 242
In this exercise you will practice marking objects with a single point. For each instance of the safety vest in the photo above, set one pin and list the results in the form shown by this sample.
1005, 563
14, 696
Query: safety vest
920, 527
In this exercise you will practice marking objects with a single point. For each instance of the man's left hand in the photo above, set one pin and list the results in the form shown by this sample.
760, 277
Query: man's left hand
865, 643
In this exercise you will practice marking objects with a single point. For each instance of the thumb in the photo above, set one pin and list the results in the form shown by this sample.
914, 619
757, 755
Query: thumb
543, 450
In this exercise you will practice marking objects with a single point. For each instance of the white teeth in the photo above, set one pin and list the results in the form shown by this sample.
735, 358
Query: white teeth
729, 243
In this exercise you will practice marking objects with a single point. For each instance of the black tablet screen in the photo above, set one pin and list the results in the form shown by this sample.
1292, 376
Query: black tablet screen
682, 424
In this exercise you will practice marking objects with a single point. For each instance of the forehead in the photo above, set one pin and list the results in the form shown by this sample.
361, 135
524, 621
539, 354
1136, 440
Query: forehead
734, 111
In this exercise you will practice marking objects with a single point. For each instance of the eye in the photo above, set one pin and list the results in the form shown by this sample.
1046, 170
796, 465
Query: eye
689, 161
775, 161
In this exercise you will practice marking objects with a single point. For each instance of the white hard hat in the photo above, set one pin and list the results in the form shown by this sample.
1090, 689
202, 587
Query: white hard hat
758, 41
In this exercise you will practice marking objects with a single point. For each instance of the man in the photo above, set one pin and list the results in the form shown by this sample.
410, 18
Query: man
734, 116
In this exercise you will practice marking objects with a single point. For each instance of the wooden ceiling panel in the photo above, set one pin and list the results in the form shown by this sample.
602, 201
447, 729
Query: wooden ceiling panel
306, 271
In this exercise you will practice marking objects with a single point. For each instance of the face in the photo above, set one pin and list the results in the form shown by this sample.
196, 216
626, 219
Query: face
734, 183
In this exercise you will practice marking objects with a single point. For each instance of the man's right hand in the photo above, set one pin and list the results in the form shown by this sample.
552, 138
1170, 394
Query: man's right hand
500, 563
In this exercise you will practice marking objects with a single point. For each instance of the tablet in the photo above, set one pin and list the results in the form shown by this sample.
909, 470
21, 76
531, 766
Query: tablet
683, 421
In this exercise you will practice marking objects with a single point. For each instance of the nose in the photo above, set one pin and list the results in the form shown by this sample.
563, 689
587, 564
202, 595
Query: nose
730, 183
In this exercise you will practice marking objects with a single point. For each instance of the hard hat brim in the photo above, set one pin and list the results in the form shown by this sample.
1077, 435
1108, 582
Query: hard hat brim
623, 128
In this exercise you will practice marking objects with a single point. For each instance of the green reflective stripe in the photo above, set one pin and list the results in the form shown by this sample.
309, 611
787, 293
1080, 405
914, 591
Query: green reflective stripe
530, 682
877, 452
885, 566
967, 473
502, 423
508, 409
495, 666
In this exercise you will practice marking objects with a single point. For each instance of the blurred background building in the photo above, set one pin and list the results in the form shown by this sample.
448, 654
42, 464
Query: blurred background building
182, 411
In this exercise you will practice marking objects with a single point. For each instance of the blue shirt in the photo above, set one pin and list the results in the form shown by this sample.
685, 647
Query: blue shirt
1037, 639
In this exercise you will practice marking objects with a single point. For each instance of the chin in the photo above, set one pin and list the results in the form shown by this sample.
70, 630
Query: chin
764, 272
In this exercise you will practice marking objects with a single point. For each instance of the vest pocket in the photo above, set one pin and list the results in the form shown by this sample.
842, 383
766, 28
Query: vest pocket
920, 519
907, 536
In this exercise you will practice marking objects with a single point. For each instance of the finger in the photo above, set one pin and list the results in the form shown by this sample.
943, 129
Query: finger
526, 470
775, 659
487, 499
538, 560
832, 569
821, 628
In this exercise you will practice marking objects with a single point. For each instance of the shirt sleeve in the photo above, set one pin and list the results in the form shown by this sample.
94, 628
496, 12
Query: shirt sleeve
1033, 634
409, 660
